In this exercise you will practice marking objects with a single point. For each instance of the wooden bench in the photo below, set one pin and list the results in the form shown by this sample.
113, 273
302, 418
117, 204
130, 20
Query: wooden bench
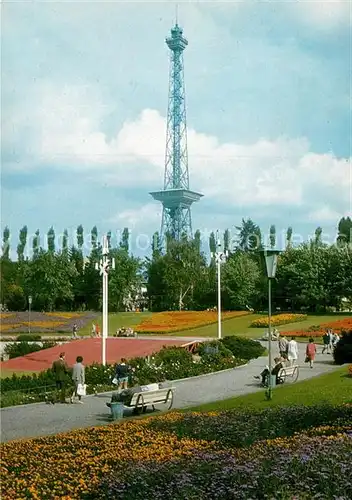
289, 371
140, 400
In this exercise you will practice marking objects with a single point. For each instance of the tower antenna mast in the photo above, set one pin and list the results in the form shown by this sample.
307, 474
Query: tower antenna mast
176, 197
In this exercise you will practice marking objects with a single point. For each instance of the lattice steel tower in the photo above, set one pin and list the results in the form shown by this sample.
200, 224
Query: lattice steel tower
176, 196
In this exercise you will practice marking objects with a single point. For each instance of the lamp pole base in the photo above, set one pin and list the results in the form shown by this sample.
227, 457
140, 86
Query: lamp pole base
269, 394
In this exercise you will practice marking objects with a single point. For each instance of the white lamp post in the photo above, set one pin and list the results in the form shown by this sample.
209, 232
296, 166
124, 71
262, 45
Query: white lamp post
271, 257
219, 257
104, 266
29, 313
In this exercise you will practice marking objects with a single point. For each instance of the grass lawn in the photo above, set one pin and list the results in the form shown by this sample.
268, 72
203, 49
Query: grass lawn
333, 388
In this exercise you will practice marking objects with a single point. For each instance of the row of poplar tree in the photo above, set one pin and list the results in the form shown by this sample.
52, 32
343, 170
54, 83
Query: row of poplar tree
313, 276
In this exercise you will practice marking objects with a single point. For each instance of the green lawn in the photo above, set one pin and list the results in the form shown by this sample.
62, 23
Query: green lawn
333, 388
116, 321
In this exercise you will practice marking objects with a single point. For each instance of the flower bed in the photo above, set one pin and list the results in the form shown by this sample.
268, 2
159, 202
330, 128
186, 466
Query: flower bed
318, 330
173, 321
160, 458
278, 319
44, 322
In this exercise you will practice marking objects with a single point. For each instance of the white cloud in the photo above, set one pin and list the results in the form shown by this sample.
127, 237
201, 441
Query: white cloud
324, 214
138, 217
282, 172
327, 14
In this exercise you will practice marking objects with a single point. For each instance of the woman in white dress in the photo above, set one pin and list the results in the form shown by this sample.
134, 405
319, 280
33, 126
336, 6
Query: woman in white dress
292, 351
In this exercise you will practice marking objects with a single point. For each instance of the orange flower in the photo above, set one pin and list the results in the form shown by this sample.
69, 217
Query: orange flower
173, 321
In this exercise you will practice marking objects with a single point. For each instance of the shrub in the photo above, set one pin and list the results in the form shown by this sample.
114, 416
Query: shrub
28, 337
243, 348
278, 319
17, 349
206, 348
343, 349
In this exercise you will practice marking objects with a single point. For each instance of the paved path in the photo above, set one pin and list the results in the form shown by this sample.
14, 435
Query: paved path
42, 419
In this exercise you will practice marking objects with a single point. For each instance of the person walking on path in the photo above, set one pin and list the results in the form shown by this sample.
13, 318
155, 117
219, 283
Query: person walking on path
60, 370
78, 377
326, 342
74, 331
311, 352
292, 351
283, 343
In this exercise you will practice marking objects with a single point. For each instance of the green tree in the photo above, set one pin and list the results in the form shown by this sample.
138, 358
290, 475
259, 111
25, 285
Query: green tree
6, 244
344, 231
226, 240
289, 237
249, 236
80, 236
197, 240
22, 243
124, 243
94, 237
36, 244
318, 237
65, 241
51, 240
240, 280
272, 236
212, 242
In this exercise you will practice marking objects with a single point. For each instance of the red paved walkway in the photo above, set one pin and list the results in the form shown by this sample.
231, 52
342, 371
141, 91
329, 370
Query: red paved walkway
90, 349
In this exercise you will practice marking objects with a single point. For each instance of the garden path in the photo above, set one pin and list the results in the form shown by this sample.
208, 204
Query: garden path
42, 419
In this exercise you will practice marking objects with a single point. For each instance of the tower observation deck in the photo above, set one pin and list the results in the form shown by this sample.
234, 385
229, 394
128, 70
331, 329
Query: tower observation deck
176, 197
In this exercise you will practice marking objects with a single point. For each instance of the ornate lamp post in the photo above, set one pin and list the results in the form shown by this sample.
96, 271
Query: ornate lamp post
103, 267
220, 257
29, 313
271, 257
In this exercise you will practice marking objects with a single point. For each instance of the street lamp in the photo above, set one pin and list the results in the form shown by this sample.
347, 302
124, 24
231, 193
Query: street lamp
103, 267
271, 257
220, 257
29, 313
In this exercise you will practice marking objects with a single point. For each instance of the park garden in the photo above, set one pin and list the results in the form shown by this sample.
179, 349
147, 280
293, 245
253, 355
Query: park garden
296, 446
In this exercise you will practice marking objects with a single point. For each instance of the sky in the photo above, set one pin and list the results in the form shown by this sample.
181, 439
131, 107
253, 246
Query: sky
84, 103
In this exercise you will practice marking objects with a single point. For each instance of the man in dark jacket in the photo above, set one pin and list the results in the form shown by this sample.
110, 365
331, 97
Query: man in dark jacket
60, 370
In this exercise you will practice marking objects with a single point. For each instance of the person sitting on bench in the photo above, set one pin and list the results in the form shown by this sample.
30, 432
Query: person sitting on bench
126, 395
279, 364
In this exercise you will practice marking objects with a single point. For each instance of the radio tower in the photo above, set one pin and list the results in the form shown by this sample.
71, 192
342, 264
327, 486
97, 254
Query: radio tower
176, 197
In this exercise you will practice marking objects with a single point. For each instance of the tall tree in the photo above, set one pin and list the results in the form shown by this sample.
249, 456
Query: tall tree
318, 237
94, 237
51, 240
344, 231
6, 243
249, 236
227, 240
240, 280
22, 243
212, 242
156, 244
108, 237
272, 236
124, 243
65, 241
36, 244
80, 236
197, 240
289, 237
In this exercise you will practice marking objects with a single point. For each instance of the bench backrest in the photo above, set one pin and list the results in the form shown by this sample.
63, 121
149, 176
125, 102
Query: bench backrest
289, 370
151, 396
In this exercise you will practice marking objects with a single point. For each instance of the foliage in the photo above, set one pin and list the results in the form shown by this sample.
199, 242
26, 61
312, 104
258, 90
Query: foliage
177, 456
27, 337
240, 277
17, 349
278, 319
243, 348
173, 321
343, 349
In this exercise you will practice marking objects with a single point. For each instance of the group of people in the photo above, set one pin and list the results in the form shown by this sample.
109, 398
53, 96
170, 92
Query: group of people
330, 339
125, 332
61, 373
95, 332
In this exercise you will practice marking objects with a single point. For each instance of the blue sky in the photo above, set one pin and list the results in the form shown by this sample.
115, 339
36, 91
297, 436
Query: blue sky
84, 99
